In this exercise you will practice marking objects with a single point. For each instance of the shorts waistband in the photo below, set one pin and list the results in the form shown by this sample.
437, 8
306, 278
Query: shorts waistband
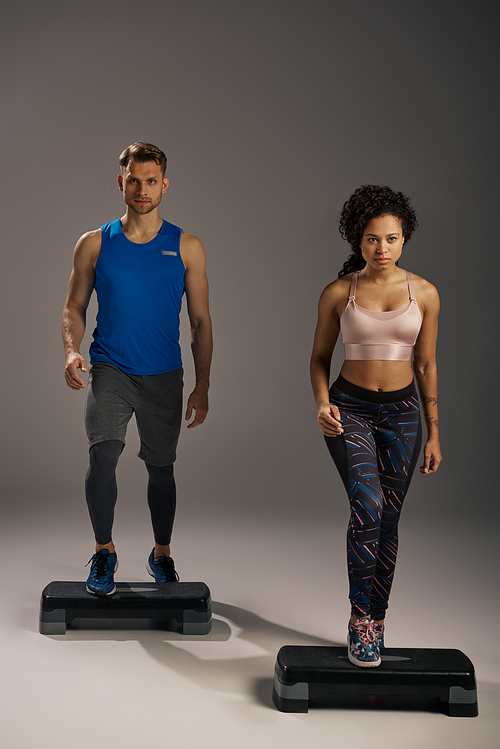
374, 396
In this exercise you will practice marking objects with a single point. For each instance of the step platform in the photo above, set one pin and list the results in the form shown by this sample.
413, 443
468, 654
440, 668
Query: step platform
407, 678
180, 607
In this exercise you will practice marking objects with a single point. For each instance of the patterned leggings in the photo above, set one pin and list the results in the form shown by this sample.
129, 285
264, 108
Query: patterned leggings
375, 456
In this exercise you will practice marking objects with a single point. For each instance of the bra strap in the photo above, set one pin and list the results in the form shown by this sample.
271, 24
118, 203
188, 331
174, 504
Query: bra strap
354, 281
410, 286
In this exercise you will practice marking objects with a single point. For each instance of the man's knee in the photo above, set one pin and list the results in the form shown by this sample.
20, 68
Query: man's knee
161, 475
104, 455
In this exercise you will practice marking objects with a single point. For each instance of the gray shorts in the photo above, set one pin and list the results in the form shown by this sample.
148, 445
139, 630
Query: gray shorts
113, 396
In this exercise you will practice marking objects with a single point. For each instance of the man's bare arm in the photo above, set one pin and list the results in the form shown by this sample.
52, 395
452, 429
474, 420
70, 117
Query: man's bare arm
196, 284
81, 285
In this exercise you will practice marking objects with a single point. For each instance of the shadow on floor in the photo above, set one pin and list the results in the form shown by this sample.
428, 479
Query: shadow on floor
236, 657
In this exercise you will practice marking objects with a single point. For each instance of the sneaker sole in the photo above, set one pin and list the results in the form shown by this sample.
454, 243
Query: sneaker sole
363, 664
100, 592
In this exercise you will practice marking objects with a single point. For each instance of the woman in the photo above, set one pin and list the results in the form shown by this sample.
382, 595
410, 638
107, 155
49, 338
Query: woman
370, 416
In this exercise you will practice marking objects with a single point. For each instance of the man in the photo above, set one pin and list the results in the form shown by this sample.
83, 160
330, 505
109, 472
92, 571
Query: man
140, 266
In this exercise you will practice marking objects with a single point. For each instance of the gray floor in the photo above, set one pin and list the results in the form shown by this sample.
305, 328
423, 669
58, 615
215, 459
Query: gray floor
136, 688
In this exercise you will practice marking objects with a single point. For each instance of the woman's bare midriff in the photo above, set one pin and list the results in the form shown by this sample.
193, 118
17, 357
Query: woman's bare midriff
381, 376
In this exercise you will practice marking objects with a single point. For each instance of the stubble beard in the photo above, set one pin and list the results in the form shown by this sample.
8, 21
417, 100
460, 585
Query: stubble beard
143, 210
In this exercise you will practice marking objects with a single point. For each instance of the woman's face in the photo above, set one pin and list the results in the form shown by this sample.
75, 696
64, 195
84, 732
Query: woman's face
382, 242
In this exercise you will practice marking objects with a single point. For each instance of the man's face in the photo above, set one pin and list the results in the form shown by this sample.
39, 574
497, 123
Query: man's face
142, 185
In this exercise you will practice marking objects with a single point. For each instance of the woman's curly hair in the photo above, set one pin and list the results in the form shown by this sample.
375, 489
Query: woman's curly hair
367, 202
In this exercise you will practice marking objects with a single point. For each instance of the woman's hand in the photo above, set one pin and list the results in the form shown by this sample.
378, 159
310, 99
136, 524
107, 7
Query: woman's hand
329, 420
432, 456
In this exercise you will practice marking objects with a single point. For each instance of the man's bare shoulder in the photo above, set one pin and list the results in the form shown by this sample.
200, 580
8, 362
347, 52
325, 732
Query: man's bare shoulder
190, 242
192, 250
88, 247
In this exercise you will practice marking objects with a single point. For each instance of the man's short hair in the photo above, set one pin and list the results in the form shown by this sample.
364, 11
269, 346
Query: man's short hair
143, 152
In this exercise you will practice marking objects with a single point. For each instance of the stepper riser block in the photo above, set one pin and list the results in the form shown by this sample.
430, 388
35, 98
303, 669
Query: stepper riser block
180, 607
307, 676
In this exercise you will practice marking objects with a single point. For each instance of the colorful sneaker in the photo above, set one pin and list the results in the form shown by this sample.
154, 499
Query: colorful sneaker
101, 581
162, 569
363, 647
379, 631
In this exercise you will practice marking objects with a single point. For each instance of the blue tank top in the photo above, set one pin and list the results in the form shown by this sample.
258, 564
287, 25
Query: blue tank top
139, 293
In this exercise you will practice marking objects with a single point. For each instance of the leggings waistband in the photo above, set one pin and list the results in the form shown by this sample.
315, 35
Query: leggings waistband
374, 396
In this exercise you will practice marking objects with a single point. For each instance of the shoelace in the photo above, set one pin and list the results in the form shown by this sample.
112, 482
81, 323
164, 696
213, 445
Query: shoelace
167, 564
366, 631
100, 564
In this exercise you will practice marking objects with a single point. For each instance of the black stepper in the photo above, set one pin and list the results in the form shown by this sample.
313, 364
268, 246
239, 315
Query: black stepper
179, 607
407, 677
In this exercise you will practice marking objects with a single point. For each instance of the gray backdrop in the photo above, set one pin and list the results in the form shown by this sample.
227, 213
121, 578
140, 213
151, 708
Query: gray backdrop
271, 113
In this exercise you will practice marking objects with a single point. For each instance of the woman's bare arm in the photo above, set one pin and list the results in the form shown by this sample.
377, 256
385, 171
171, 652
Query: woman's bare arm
325, 338
425, 369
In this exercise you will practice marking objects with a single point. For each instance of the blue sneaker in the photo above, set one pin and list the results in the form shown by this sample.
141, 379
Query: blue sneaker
162, 569
101, 581
363, 644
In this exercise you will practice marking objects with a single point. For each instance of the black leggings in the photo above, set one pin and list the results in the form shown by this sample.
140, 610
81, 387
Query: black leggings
375, 456
101, 493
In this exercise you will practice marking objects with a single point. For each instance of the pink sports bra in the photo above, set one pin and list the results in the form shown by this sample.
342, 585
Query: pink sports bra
385, 336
